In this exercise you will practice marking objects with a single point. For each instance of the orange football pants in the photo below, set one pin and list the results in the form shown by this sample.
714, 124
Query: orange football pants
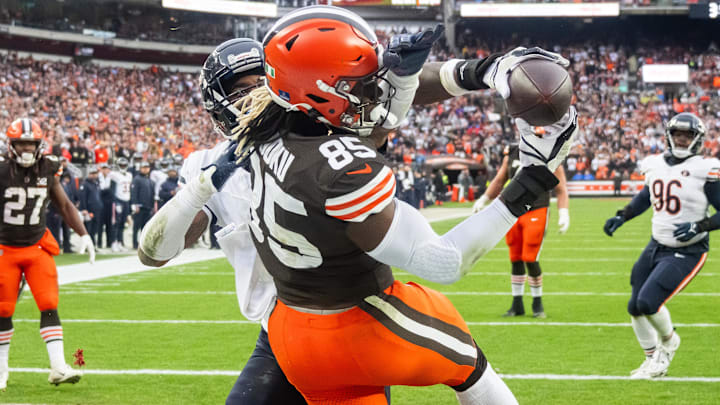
525, 238
37, 263
407, 335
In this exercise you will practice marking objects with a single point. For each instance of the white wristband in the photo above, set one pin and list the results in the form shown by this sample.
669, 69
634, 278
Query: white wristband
447, 78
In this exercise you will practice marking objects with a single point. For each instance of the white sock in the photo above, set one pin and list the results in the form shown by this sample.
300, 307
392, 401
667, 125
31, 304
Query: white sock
488, 390
645, 333
517, 284
662, 323
535, 286
5, 337
53, 337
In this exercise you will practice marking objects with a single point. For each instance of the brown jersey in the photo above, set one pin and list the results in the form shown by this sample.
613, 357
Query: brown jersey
513, 154
305, 191
25, 193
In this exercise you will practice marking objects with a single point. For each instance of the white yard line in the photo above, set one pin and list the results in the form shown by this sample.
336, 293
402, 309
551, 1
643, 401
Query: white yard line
470, 293
75, 273
569, 377
244, 322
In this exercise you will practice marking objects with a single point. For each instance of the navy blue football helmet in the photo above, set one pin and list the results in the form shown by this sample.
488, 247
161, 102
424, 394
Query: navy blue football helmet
225, 66
685, 122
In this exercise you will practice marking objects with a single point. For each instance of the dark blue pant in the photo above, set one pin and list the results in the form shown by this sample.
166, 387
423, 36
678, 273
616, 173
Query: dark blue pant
139, 221
660, 273
105, 224
262, 382
120, 218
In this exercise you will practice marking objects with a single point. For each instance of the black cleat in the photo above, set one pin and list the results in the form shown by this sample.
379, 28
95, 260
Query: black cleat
537, 307
517, 308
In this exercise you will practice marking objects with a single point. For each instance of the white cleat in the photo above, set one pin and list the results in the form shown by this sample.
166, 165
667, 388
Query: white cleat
665, 354
643, 372
64, 374
3, 379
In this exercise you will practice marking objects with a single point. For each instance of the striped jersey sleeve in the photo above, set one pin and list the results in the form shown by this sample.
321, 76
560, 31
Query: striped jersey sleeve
360, 192
713, 171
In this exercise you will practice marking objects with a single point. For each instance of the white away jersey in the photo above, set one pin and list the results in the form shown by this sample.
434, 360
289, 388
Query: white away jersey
677, 194
158, 177
123, 181
231, 208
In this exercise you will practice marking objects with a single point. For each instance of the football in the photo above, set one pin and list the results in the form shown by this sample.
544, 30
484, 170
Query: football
540, 92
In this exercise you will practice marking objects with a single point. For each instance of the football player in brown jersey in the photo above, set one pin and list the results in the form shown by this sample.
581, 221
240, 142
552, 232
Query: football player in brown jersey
28, 181
326, 225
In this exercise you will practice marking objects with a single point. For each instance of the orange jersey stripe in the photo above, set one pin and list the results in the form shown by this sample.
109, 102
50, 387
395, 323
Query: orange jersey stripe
368, 207
363, 197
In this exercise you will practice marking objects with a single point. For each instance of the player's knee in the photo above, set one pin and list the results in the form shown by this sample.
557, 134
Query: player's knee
632, 308
49, 318
480, 367
530, 257
518, 268
533, 269
646, 306
7, 309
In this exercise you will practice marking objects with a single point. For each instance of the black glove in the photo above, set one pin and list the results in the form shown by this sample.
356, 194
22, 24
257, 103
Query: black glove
686, 231
406, 53
612, 224
225, 165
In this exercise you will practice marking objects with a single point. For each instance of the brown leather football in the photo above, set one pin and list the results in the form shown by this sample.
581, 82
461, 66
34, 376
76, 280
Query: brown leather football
540, 92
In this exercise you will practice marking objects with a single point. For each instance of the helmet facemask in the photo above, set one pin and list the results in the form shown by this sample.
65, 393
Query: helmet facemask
27, 159
222, 105
688, 124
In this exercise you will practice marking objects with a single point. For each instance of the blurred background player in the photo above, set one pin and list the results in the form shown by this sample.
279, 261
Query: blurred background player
27, 179
525, 239
679, 185
121, 180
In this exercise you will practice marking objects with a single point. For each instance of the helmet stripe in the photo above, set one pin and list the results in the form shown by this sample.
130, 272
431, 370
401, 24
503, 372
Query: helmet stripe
322, 12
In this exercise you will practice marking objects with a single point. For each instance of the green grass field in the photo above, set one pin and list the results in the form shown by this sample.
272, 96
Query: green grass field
185, 319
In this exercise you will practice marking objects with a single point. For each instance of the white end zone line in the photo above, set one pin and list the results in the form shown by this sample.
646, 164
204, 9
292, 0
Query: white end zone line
570, 377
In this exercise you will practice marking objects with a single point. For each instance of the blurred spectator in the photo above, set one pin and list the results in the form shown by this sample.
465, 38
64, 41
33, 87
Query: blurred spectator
169, 187
91, 204
106, 195
68, 185
142, 200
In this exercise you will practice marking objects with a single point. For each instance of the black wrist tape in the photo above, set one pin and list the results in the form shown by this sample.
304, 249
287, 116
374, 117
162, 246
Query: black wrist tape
470, 73
526, 187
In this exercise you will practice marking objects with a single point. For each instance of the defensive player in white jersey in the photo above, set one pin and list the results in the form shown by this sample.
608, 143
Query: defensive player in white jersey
679, 185
232, 70
121, 181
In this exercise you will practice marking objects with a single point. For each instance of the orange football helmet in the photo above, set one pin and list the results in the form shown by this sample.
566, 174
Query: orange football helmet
316, 60
25, 129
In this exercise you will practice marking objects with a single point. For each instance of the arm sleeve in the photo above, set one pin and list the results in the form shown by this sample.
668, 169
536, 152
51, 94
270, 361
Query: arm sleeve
411, 244
712, 191
637, 205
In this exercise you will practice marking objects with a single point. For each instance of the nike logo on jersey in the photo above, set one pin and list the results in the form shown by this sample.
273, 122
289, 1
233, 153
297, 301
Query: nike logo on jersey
366, 170
679, 256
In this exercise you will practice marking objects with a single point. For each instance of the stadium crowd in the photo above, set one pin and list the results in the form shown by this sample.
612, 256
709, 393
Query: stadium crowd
94, 115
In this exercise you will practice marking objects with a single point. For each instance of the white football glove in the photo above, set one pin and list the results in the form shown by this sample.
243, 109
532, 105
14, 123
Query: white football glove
549, 145
480, 203
563, 220
498, 74
86, 243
